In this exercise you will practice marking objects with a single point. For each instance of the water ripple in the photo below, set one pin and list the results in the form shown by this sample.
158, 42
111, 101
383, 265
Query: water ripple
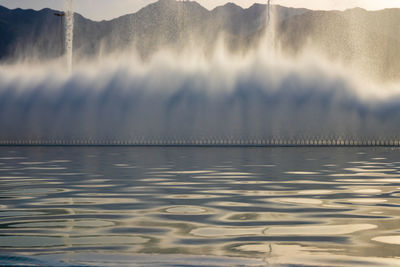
289, 205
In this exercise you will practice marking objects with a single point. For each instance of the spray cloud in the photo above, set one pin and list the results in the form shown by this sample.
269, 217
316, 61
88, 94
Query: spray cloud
263, 97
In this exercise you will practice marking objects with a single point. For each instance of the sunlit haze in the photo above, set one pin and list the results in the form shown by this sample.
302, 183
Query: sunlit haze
105, 9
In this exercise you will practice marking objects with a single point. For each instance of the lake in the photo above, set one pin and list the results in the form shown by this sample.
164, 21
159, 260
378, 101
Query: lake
199, 206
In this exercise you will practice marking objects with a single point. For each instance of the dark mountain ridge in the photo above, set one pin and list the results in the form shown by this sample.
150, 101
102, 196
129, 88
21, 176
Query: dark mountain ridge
370, 39
29, 33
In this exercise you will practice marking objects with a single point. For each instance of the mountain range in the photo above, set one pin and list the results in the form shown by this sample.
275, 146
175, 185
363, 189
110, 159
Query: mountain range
370, 39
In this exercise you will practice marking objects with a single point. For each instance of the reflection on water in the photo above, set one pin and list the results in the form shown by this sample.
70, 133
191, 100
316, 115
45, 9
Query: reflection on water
211, 206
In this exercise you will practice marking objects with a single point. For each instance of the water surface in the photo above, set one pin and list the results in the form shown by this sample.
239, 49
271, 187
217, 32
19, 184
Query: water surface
171, 206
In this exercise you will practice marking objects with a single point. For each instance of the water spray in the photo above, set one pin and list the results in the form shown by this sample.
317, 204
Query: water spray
181, 21
260, 99
69, 32
268, 12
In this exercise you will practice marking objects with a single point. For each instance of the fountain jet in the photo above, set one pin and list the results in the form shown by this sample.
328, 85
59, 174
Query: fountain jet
69, 32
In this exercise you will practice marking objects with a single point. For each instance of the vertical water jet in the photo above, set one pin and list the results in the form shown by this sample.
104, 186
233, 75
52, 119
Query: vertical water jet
69, 32
270, 29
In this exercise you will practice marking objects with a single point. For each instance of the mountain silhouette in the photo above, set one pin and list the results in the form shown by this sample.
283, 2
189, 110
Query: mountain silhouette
369, 39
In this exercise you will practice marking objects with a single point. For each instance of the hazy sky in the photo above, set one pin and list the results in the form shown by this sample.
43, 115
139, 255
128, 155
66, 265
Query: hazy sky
108, 9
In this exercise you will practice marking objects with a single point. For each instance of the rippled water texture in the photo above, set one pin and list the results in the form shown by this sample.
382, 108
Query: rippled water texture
199, 206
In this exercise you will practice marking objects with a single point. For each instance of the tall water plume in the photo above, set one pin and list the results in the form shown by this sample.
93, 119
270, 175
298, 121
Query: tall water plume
261, 97
270, 34
69, 32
